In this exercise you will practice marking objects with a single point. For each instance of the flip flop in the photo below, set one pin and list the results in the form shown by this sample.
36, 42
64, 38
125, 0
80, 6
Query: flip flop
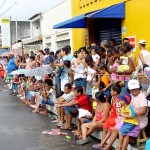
95, 146
82, 142
65, 128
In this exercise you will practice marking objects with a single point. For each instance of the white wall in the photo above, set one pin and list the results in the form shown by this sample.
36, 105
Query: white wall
54, 16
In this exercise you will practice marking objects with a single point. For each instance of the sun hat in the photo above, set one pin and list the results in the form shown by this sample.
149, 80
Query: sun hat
133, 84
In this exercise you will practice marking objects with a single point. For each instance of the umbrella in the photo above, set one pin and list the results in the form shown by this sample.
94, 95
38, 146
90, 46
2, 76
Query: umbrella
39, 71
5, 54
19, 71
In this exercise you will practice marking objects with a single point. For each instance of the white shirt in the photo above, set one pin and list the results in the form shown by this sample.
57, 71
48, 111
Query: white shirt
79, 70
90, 73
68, 97
52, 95
95, 57
146, 56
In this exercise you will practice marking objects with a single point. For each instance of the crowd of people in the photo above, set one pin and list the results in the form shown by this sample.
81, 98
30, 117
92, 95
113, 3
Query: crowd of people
102, 86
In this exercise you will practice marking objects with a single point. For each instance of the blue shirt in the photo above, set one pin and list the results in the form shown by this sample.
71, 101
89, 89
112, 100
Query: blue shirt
11, 65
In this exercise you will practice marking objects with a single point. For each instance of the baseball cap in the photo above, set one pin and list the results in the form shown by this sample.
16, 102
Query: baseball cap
133, 84
142, 42
125, 97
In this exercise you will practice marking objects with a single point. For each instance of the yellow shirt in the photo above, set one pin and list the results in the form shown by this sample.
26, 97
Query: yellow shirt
129, 111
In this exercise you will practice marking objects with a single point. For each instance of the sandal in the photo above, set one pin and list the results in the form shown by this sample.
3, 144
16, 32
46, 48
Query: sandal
83, 141
66, 128
96, 146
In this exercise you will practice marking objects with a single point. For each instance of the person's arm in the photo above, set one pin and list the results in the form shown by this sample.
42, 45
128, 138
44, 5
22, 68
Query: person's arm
59, 100
131, 67
16, 62
142, 58
71, 103
141, 111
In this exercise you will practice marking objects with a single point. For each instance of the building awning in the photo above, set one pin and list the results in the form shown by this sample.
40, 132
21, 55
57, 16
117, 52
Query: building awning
114, 11
77, 22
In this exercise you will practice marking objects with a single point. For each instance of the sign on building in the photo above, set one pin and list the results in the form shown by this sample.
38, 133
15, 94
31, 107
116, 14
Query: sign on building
5, 40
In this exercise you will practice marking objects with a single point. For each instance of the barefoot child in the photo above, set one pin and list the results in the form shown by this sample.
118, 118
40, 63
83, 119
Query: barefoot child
129, 121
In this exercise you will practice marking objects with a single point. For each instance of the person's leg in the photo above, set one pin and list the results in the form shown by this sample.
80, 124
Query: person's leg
112, 138
38, 96
104, 133
84, 129
62, 114
125, 142
105, 139
121, 138
93, 127
58, 113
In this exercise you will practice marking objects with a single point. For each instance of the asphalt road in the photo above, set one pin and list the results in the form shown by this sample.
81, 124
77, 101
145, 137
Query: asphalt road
20, 129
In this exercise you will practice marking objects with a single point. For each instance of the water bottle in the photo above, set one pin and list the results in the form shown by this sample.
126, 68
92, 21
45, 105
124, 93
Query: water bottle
147, 145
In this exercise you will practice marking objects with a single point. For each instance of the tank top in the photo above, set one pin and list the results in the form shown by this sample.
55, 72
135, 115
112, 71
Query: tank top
113, 111
99, 115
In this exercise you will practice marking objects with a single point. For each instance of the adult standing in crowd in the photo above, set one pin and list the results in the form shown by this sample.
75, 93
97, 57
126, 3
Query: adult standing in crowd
47, 58
144, 55
13, 63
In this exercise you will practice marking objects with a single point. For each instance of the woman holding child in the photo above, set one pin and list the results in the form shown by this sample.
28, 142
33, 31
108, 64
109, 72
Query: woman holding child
139, 104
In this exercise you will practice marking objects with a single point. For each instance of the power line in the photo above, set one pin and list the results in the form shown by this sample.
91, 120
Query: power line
3, 4
8, 9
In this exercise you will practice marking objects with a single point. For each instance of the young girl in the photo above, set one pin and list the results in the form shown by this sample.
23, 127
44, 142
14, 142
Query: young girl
91, 71
78, 66
110, 122
101, 114
105, 81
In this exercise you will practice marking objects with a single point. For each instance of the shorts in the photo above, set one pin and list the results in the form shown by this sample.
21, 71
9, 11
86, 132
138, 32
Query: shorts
134, 133
28, 96
87, 120
68, 109
126, 128
109, 124
48, 102
80, 82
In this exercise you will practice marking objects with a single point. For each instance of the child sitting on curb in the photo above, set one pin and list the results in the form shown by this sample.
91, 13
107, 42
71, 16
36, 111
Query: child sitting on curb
129, 121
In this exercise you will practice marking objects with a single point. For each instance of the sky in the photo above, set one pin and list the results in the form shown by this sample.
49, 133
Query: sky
22, 10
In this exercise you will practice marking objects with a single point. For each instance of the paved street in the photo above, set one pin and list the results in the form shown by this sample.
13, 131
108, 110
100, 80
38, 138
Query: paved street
20, 129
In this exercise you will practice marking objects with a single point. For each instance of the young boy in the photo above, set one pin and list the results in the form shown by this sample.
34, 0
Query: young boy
48, 96
129, 115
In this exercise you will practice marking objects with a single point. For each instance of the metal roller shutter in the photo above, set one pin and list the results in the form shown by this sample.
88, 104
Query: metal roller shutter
108, 29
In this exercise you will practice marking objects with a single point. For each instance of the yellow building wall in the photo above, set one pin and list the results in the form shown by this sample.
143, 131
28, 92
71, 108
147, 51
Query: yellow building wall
137, 21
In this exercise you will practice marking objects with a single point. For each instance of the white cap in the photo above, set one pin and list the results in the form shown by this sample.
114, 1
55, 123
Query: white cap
142, 42
133, 84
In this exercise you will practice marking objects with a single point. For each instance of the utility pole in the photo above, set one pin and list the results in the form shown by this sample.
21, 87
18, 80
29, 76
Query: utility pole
17, 33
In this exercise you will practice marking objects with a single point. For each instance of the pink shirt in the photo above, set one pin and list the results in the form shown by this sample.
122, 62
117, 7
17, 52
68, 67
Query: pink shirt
138, 102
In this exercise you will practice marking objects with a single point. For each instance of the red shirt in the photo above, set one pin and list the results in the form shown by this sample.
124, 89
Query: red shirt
83, 102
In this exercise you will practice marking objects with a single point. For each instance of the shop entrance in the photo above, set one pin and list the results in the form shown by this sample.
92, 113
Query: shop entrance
104, 29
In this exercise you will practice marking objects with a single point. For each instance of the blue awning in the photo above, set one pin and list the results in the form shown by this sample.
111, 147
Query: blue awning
114, 11
77, 22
